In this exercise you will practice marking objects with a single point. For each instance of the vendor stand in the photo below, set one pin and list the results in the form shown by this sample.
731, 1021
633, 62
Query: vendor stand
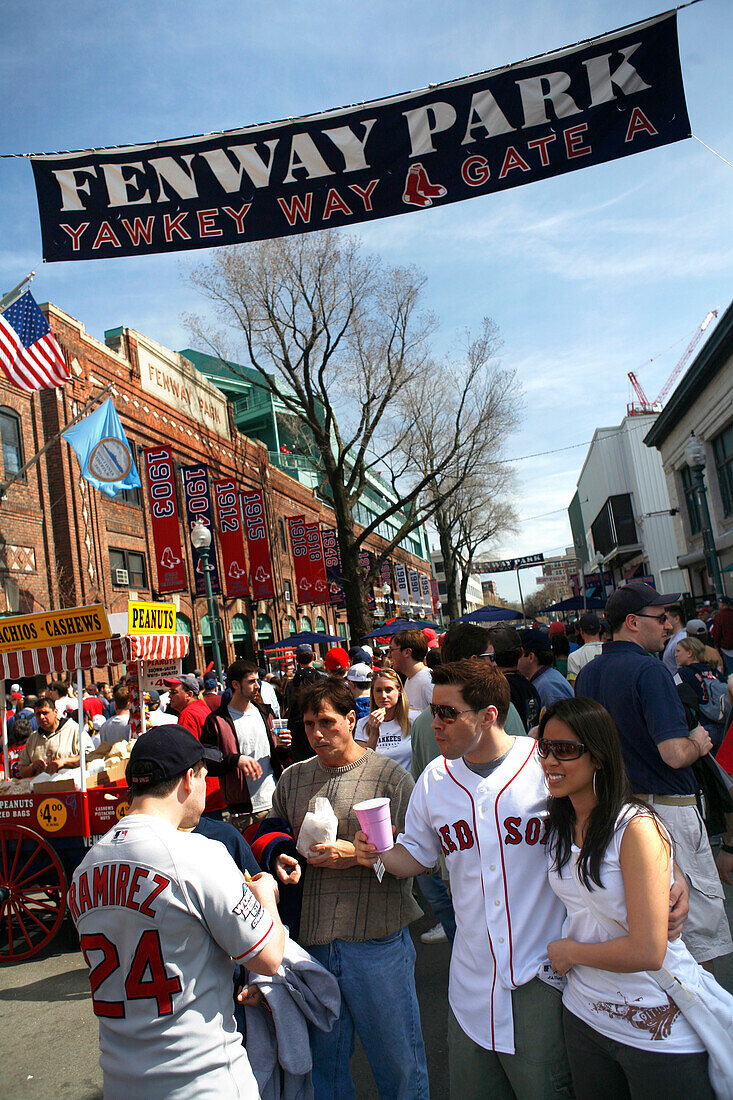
44, 834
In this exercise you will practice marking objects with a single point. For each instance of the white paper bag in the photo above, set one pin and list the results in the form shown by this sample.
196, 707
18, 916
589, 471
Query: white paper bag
320, 826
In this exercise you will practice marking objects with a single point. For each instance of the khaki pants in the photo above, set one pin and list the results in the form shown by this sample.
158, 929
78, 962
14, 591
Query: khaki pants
538, 1070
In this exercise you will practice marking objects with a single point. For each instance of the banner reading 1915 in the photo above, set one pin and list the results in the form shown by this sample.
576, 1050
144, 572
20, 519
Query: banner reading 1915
604, 98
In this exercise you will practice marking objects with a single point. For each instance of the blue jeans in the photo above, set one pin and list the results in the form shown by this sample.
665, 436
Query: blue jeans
379, 1000
436, 893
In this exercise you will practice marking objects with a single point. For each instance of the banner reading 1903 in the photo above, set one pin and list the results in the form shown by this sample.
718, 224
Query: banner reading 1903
605, 98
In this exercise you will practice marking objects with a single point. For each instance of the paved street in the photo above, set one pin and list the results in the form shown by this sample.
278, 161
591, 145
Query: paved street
49, 1033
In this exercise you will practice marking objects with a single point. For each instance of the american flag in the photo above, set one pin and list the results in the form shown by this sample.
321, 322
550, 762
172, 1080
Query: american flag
30, 356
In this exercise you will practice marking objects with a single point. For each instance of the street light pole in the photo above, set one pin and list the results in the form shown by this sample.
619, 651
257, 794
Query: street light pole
201, 541
695, 458
387, 592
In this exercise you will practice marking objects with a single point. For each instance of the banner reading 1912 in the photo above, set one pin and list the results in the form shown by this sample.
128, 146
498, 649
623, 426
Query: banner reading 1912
604, 98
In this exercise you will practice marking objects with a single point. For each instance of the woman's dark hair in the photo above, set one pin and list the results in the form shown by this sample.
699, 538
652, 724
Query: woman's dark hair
19, 732
560, 645
593, 726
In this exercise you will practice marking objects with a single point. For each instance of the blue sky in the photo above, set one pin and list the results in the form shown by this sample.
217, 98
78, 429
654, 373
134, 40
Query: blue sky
588, 275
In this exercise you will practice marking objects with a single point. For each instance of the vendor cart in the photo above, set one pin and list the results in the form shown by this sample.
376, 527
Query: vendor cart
44, 836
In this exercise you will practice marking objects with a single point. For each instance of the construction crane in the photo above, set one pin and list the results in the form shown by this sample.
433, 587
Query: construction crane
644, 406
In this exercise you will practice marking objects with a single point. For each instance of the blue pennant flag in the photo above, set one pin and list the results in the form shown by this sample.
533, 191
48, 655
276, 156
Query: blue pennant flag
105, 457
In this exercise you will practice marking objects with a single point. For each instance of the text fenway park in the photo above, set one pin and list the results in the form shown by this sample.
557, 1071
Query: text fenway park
603, 99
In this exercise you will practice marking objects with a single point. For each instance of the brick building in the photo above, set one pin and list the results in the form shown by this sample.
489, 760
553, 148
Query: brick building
64, 544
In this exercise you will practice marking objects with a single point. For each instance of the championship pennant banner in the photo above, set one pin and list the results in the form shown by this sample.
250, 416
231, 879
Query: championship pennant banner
258, 547
317, 565
605, 98
159, 475
334, 575
231, 538
403, 594
198, 506
299, 547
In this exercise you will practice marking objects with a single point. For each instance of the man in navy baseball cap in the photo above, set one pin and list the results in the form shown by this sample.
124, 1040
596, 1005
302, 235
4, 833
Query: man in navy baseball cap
167, 752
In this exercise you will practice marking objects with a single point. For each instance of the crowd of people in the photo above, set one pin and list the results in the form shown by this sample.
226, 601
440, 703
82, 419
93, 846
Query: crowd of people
544, 788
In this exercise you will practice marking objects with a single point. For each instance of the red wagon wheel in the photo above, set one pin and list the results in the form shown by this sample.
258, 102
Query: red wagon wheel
32, 893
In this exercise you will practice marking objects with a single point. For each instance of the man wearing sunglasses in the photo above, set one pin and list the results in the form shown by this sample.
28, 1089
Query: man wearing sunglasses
482, 804
630, 681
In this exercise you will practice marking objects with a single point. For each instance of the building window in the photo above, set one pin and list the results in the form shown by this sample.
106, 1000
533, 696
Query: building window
264, 629
132, 496
128, 569
691, 501
11, 442
723, 452
288, 592
320, 625
281, 529
306, 625
292, 625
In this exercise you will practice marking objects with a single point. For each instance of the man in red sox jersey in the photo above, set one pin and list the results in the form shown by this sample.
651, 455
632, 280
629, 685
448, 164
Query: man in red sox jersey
483, 803
161, 914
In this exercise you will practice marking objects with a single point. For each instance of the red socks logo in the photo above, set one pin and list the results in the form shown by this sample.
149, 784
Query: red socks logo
419, 191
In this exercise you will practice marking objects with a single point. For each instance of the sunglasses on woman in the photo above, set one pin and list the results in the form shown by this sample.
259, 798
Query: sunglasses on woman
561, 750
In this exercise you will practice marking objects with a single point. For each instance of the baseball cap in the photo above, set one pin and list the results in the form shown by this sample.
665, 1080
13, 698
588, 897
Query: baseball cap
15, 687
589, 622
304, 650
361, 656
98, 721
152, 696
336, 658
696, 627
210, 683
535, 640
557, 628
632, 597
360, 673
165, 752
431, 636
190, 683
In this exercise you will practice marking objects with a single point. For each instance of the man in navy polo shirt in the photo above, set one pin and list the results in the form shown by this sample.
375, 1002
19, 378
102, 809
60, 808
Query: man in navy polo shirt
658, 749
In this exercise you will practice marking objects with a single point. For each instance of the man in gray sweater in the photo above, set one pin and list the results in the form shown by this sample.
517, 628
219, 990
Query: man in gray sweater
351, 923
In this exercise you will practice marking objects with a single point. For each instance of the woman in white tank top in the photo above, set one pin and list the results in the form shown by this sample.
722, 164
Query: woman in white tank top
610, 863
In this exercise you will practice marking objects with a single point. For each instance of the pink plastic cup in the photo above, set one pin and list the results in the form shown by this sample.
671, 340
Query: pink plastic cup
375, 820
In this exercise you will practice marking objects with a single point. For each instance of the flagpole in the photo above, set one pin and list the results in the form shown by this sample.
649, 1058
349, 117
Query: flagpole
10, 297
5, 485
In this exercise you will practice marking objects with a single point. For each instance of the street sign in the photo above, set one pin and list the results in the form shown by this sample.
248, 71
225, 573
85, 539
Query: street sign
507, 565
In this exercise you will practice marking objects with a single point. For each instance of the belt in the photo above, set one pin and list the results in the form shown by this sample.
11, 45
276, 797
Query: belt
669, 799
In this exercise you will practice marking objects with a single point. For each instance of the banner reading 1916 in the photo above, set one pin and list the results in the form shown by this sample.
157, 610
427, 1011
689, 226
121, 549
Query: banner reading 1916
604, 98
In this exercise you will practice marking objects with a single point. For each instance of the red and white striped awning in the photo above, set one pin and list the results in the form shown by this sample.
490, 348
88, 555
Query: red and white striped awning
110, 651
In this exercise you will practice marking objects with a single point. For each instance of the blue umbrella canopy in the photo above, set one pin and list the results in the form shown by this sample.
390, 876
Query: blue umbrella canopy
306, 637
576, 603
389, 629
488, 614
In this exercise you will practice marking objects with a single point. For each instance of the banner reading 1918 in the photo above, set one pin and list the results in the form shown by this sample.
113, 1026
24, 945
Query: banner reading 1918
605, 98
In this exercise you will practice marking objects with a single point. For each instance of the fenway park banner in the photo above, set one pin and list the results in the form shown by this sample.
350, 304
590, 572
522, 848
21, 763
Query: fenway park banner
602, 99
198, 507
258, 546
159, 476
231, 538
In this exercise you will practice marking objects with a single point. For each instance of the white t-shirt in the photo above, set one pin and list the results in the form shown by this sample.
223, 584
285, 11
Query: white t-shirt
628, 1008
161, 914
253, 741
419, 689
269, 696
582, 656
390, 742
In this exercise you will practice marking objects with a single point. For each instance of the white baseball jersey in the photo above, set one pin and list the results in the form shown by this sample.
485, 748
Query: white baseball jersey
161, 914
492, 834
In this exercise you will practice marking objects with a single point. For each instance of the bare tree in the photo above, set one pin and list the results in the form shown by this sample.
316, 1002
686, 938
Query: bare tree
343, 342
534, 603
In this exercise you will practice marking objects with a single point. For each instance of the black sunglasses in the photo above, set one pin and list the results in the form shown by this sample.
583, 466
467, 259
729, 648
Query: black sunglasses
561, 750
